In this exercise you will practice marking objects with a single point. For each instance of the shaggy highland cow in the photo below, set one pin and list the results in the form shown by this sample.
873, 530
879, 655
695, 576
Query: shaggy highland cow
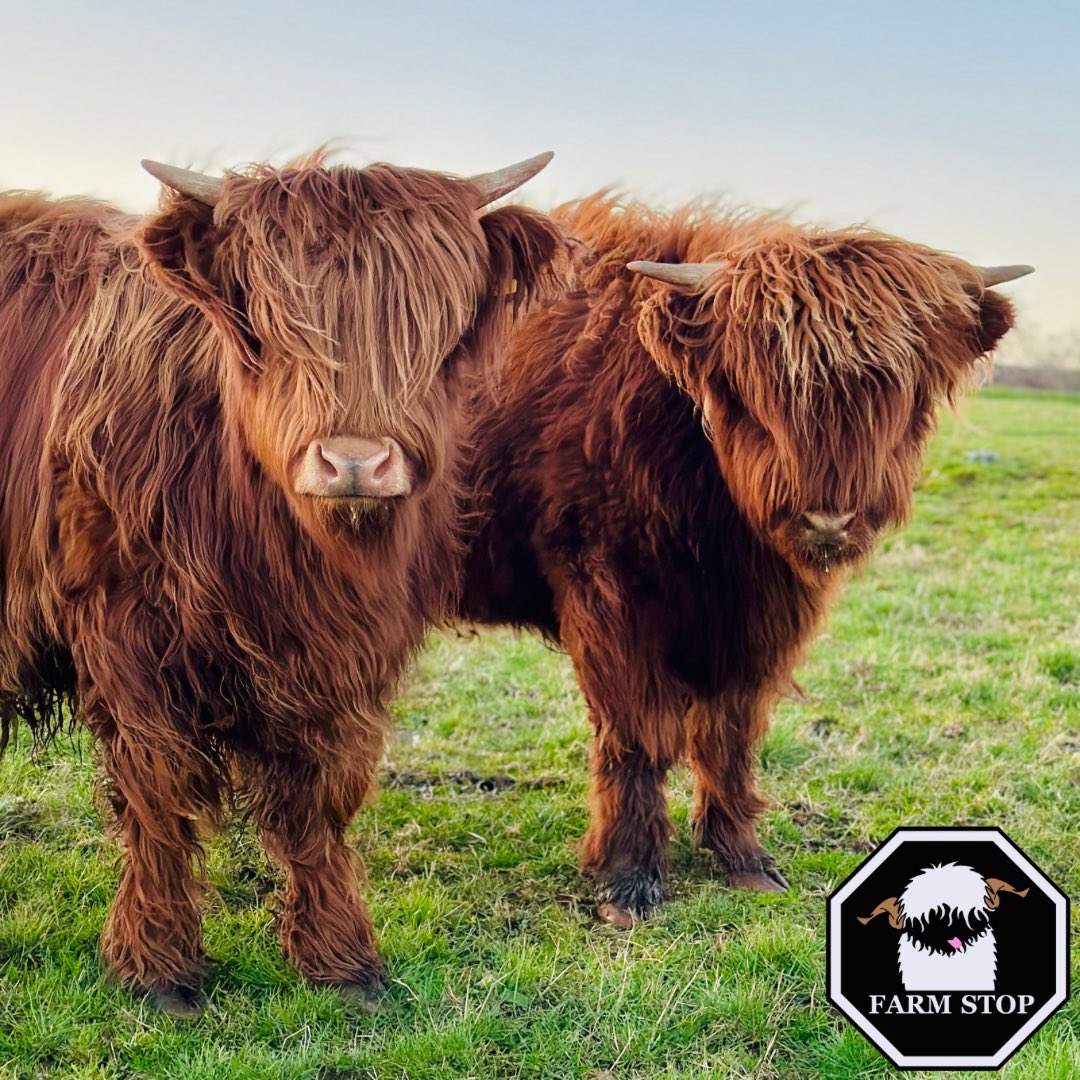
682, 459
228, 480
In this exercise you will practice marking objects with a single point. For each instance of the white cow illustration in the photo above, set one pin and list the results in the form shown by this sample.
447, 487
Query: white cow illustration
946, 942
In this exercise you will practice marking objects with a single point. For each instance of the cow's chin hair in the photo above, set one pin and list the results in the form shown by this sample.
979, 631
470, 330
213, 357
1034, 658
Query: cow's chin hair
360, 519
818, 565
827, 559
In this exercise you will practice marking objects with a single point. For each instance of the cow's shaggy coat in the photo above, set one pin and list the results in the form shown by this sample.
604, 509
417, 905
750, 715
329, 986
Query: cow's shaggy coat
160, 379
668, 481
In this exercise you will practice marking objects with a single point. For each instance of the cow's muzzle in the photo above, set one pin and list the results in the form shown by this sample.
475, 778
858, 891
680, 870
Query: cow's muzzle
826, 531
354, 467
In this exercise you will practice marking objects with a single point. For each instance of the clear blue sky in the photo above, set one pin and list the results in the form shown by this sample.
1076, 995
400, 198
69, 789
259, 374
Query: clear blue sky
954, 123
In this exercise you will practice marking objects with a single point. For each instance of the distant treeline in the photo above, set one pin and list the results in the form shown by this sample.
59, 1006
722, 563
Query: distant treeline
1036, 378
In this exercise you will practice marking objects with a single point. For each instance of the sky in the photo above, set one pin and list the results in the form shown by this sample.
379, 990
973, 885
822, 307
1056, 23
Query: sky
952, 123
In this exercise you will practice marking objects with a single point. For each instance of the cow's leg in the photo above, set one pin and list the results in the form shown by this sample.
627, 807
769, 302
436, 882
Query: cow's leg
721, 744
625, 850
302, 805
162, 782
637, 737
161, 786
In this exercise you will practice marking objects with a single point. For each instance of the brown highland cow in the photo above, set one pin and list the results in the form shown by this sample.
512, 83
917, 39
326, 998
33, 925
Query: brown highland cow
682, 460
228, 481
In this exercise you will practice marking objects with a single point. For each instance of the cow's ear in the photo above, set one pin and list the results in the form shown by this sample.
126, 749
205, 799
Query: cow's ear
178, 244
995, 320
529, 262
528, 255
681, 331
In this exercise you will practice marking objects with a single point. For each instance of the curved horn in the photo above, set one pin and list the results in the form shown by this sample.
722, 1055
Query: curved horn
888, 907
494, 185
689, 274
994, 886
204, 188
998, 275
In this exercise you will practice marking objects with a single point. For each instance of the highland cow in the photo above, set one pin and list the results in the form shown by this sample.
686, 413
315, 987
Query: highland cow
681, 461
229, 474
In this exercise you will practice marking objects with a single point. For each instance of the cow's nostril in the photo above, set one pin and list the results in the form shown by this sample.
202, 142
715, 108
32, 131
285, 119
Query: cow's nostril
825, 523
381, 463
328, 463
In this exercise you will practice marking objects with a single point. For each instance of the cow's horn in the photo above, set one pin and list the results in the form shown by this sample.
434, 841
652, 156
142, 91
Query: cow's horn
494, 185
998, 275
888, 907
689, 274
995, 886
206, 189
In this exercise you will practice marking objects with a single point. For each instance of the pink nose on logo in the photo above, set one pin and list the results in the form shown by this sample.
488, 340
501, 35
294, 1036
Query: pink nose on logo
955, 942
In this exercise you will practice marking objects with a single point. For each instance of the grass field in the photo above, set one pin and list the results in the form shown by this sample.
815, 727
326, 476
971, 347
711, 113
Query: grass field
946, 690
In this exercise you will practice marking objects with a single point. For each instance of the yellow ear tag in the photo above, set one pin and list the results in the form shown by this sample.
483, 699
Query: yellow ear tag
508, 290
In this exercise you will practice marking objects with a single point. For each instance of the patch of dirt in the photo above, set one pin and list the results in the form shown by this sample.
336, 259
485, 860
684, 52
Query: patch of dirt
20, 819
263, 881
824, 726
804, 813
1064, 745
414, 781
836, 829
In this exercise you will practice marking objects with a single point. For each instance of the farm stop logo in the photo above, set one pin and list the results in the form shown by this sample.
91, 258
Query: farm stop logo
948, 948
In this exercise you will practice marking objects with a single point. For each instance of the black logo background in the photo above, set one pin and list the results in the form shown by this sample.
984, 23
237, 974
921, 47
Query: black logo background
1024, 933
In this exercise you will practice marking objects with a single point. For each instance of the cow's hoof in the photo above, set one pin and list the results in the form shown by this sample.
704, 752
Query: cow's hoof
757, 872
181, 1002
616, 916
635, 891
759, 881
366, 991
360, 996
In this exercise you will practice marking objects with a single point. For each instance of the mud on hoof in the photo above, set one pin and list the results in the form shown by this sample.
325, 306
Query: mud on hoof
635, 891
756, 871
181, 1002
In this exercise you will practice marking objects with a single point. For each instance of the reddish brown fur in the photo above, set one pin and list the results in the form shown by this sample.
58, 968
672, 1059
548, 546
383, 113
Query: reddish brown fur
159, 379
642, 468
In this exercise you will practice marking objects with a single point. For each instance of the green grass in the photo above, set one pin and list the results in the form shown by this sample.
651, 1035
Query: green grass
944, 691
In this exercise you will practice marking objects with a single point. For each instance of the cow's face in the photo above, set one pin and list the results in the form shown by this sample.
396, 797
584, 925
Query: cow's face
817, 362
353, 302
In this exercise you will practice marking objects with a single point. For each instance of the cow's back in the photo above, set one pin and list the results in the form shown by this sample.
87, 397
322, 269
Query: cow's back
51, 253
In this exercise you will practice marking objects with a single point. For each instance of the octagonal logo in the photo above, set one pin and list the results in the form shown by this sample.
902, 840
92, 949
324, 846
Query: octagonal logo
948, 948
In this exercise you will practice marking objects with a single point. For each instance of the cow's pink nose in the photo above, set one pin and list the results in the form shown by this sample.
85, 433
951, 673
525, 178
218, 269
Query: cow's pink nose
827, 529
350, 467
